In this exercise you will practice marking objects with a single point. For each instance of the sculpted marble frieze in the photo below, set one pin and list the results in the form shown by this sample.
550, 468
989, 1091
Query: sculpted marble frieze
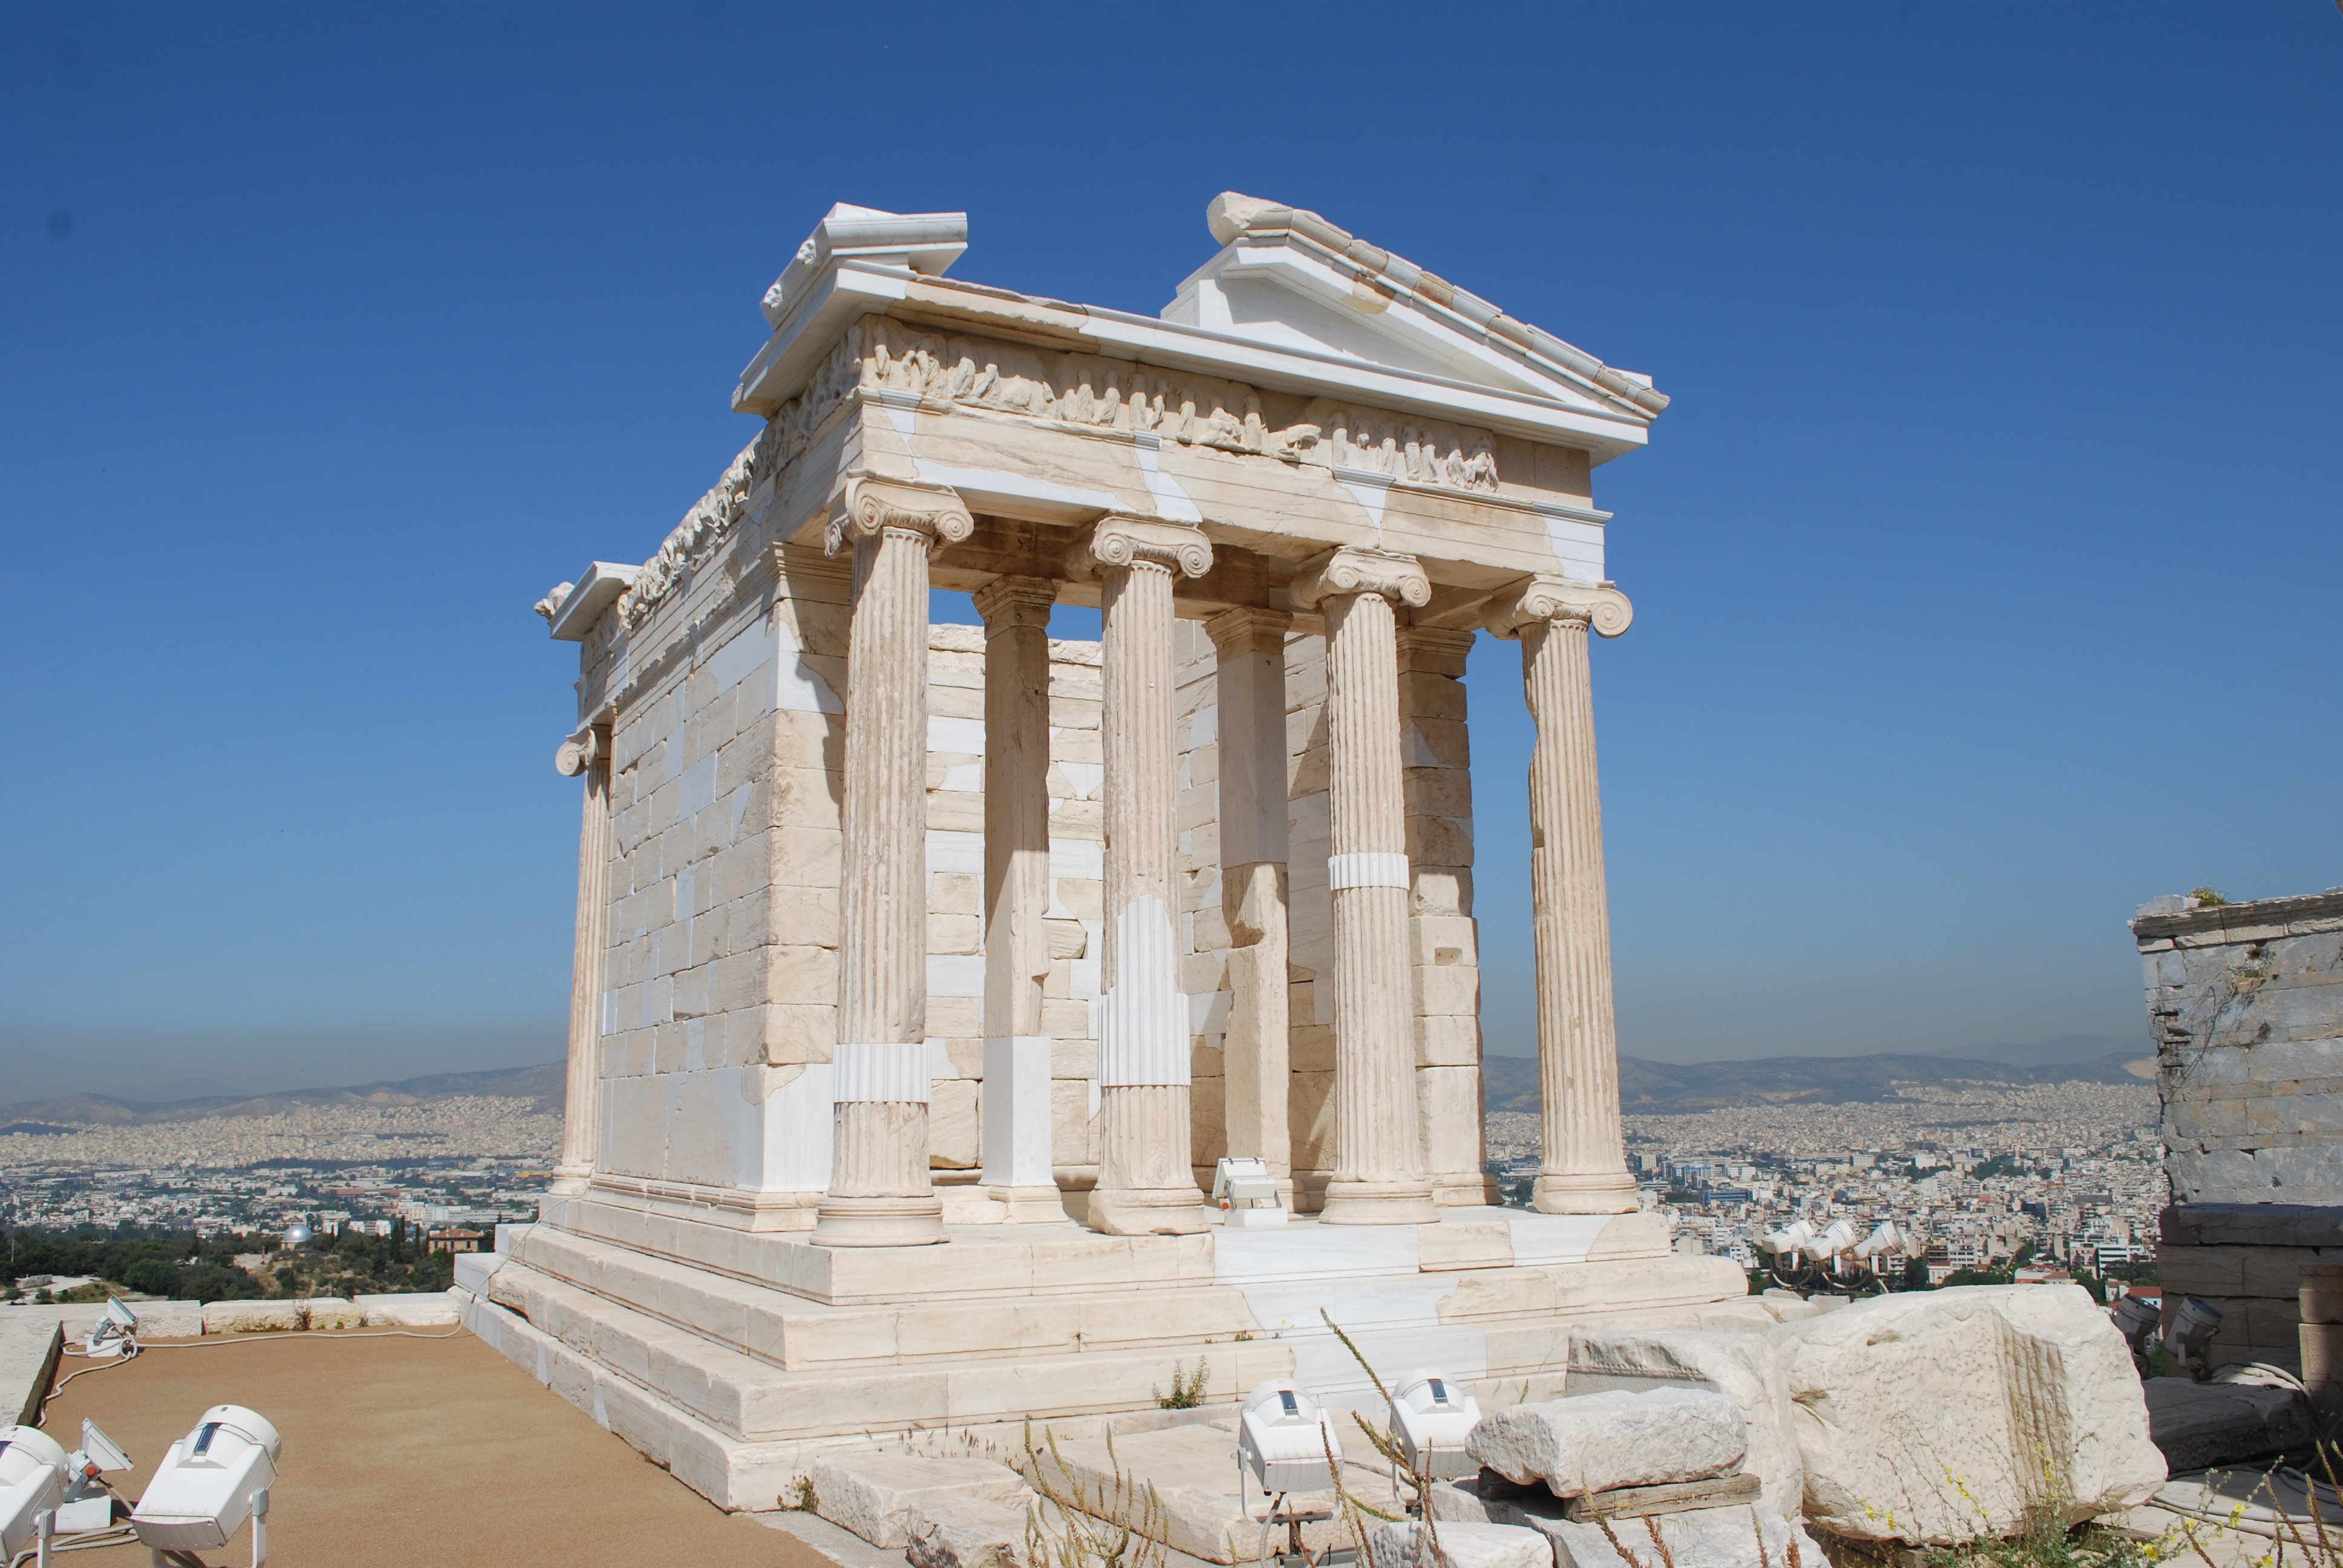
1087, 391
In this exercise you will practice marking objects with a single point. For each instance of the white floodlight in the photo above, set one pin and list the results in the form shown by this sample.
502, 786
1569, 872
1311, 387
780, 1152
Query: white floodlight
2191, 1334
1787, 1240
211, 1482
1243, 1186
1883, 1241
1284, 1439
32, 1484
2138, 1319
116, 1330
1831, 1242
1431, 1417
97, 1455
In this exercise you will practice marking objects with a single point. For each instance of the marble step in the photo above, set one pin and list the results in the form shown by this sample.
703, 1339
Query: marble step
796, 1334
1019, 1261
755, 1400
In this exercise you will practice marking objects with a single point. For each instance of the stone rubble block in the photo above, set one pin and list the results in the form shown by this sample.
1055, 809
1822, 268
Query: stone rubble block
280, 1316
1737, 1537
1601, 1442
1461, 1545
1932, 1417
1744, 1367
968, 1532
875, 1494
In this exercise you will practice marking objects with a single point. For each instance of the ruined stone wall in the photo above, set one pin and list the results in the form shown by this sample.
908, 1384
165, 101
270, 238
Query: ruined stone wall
2246, 1004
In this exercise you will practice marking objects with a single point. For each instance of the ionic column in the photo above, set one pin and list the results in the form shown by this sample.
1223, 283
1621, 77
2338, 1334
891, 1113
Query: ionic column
1379, 1177
587, 752
1253, 807
1015, 1093
1145, 1183
1585, 1167
879, 1192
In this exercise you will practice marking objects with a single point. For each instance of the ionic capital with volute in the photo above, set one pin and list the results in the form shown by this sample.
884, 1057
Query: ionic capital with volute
1120, 541
580, 751
873, 505
1006, 603
1396, 579
1551, 599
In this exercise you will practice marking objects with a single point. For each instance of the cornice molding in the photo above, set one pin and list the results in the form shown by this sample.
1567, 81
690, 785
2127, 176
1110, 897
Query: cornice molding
1551, 599
1350, 570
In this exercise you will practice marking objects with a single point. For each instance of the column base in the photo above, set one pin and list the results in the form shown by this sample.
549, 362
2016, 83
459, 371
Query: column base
1029, 1205
1149, 1211
1379, 1204
1611, 1192
883, 1221
570, 1181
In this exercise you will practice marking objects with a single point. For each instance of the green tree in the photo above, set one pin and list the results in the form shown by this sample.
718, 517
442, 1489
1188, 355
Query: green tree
153, 1276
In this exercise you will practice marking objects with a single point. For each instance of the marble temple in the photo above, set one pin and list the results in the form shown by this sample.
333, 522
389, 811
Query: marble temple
925, 974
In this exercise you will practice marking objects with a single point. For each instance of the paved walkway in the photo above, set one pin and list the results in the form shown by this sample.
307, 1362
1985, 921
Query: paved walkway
405, 1451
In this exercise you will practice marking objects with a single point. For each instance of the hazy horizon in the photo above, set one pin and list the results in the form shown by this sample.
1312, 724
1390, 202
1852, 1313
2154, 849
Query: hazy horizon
121, 1081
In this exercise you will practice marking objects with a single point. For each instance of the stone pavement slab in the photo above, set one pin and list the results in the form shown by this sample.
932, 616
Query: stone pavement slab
2197, 1424
28, 1358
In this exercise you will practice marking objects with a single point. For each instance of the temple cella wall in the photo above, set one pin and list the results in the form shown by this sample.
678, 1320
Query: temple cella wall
718, 1010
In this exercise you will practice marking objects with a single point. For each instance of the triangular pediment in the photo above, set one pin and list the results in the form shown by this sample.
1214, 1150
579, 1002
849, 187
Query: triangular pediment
1288, 278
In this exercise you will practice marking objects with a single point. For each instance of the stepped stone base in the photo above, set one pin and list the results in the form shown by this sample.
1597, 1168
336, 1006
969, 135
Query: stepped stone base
735, 1357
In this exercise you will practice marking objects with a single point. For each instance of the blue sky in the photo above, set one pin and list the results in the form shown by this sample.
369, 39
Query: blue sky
1985, 566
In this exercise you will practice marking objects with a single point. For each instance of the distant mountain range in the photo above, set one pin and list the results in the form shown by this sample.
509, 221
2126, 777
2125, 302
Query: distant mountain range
543, 1085
1508, 1083
1671, 1088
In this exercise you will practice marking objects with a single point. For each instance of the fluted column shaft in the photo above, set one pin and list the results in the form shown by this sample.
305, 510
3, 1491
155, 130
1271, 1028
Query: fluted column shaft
588, 751
1583, 1169
1145, 1181
1015, 1103
879, 1191
1378, 1176
1251, 692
